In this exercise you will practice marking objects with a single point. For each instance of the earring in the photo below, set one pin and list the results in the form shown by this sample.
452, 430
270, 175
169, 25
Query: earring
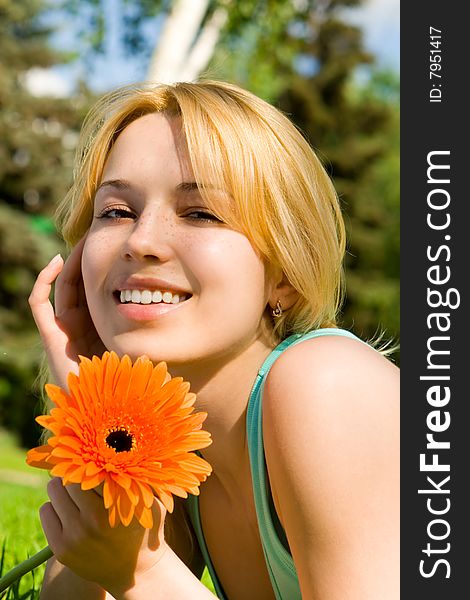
277, 310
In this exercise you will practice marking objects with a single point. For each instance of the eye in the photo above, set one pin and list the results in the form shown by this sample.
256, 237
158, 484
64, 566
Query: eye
202, 215
116, 213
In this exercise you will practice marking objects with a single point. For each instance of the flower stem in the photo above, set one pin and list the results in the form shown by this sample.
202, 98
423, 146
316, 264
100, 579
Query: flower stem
25, 567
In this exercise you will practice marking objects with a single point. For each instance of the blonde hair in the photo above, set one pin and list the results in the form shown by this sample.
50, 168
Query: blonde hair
282, 197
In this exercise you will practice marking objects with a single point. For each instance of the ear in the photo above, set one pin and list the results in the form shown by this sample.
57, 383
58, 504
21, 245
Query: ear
283, 291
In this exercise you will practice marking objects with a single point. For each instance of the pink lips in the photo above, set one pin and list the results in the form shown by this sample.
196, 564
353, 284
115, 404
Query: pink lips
141, 282
146, 312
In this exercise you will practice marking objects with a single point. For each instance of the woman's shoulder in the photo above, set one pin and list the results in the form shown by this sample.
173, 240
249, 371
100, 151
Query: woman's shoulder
338, 351
330, 434
329, 375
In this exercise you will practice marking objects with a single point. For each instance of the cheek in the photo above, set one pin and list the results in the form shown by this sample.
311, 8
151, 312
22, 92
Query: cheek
230, 264
97, 254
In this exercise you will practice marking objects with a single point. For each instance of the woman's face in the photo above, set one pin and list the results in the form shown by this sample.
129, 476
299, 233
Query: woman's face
163, 277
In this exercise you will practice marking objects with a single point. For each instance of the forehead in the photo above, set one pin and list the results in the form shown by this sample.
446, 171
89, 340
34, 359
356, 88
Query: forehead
154, 141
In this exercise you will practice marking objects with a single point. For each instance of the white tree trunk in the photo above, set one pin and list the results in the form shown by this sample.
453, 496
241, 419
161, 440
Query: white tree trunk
184, 50
204, 47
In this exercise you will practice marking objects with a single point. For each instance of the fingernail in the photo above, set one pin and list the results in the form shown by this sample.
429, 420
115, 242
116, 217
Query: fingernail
56, 259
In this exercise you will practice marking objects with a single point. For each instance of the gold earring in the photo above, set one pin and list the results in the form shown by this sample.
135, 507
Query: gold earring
277, 310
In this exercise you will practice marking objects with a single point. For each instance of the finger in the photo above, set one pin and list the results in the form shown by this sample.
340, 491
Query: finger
51, 525
87, 501
62, 503
41, 307
81, 294
94, 516
69, 281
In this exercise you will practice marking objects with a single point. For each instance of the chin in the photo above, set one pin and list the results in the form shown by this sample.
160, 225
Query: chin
155, 349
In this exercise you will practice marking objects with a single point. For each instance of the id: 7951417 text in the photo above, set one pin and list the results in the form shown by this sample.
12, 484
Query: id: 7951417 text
435, 64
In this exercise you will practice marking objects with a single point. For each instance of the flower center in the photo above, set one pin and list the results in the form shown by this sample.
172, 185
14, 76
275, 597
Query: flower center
120, 439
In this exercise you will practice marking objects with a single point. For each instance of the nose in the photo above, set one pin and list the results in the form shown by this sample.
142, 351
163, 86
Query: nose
151, 237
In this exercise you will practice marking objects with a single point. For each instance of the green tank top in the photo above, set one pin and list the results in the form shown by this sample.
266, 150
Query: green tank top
279, 561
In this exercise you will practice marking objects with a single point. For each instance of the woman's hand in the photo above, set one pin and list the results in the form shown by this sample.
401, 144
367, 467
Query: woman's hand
76, 525
67, 331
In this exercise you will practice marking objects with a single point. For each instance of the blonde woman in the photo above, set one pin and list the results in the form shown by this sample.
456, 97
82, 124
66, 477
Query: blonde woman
206, 233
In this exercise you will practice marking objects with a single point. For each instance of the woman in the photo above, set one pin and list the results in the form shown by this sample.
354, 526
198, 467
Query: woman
206, 234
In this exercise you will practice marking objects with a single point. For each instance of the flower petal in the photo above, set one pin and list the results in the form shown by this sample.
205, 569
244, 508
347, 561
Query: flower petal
74, 474
145, 493
60, 469
125, 508
58, 396
157, 379
90, 482
144, 516
166, 500
113, 516
37, 457
109, 492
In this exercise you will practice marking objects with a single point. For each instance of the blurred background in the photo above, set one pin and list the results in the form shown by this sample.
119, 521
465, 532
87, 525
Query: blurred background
331, 65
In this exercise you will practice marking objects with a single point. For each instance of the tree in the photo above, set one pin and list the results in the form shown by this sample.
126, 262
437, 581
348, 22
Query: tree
356, 128
37, 139
38, 134
373, 267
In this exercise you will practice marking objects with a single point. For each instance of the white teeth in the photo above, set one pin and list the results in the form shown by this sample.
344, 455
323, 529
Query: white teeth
149, 297
146, 297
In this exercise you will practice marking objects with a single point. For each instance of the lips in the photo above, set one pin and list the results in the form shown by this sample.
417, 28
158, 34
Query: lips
146, 298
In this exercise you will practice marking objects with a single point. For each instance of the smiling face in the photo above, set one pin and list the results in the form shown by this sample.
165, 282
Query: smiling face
163, 276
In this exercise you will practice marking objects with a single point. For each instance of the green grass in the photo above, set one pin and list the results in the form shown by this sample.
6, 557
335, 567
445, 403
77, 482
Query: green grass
22, 492
11, 456
19, 518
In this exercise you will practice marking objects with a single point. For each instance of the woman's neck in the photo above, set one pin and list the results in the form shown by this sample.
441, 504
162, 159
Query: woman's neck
223, 389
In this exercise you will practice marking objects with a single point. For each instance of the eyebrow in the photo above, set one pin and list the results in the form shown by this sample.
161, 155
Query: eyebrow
187, 186
122, 184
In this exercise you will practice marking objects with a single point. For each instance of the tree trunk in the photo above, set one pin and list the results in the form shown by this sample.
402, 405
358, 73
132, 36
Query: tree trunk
184, 48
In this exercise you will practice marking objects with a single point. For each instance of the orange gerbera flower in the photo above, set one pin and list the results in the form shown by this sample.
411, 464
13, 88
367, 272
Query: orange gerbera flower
130, 427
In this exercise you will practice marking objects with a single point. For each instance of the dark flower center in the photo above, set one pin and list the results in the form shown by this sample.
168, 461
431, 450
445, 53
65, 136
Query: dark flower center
121, 440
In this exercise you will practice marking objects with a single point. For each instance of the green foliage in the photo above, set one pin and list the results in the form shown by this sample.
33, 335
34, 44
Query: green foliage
37, 135
374, 258
21, 589
91, 25
37, 142
20, 519
23, 252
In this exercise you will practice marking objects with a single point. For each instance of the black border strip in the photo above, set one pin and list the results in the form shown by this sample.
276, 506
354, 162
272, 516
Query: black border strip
439, 127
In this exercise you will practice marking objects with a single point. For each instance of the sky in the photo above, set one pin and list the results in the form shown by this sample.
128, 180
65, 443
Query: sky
380, 20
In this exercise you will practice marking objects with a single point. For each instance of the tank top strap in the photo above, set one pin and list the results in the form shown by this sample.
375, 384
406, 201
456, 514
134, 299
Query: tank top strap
301, 337
195, 518
279, 562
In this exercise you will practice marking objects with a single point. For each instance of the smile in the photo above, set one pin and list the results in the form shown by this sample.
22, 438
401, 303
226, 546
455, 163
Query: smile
150, 297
